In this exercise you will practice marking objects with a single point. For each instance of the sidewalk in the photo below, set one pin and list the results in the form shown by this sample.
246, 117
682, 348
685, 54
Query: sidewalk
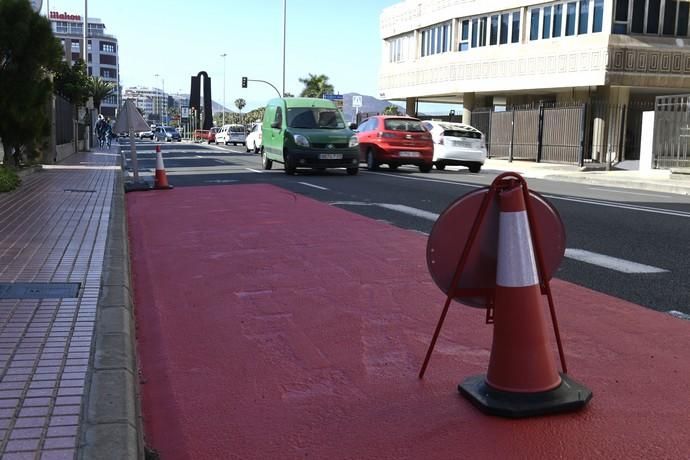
68, 384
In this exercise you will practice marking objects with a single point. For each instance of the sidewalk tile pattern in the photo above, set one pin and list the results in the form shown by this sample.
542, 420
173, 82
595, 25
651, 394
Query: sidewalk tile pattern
52, 229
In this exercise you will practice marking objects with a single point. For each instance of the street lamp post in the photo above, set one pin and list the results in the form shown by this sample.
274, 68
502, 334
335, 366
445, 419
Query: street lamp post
164, 101
223, 56
284, 24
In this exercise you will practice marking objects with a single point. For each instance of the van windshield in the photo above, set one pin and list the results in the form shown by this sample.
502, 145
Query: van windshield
236, 129
314, 118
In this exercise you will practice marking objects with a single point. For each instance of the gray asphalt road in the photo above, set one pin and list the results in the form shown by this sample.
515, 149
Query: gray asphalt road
625, 243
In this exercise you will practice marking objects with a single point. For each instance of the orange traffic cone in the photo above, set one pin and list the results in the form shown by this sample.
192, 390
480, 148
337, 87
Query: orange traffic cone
161, 180
522, 379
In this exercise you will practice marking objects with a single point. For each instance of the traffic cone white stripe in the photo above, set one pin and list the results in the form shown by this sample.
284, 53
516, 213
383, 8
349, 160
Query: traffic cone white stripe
516, 265
159, 161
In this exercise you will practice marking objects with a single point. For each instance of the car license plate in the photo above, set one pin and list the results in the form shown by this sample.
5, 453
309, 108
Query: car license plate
409, 154
331, 156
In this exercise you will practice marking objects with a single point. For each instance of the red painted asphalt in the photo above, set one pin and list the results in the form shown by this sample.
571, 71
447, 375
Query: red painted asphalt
273, 326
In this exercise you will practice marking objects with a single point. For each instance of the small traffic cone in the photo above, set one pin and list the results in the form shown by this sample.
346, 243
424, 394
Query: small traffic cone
522, 379
161, 179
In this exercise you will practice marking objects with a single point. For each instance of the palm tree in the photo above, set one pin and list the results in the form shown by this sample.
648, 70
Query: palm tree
240, 103
99, 89
391, 110
316, 86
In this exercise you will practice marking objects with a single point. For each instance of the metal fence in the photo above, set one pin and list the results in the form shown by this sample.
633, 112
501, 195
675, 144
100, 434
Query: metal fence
672, 131
571, 133
64, 113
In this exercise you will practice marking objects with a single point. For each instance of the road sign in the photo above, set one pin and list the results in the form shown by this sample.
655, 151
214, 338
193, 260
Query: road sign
333, 97
184, 112
356, 101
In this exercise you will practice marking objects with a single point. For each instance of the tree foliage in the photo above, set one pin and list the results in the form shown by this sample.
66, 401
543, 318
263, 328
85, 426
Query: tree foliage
28, 53
240, 104
316, 86
99, 89
391, 110
73, 82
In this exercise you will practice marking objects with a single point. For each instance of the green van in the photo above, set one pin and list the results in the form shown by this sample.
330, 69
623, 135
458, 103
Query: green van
303, 132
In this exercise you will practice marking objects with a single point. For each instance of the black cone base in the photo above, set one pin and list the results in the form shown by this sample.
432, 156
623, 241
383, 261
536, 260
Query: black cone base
568, 396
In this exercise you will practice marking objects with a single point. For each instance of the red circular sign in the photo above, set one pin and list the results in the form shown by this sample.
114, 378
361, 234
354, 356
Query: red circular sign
452, 230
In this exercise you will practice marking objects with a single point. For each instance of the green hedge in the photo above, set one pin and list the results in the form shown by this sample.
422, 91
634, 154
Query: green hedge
9, 180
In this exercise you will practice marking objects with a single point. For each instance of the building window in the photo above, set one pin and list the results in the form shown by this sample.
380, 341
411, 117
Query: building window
583, 23
598, 16
107, 47
436, 39
638, 17
464, 35
534, 24
397, 49
482, 31
516, 28
76, 47
475, 22
546, 23
505, 27
570, 19
557, 20
653, 7
493, 38
683, 8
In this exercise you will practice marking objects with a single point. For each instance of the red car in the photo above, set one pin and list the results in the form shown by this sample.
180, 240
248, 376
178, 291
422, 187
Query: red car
395, 141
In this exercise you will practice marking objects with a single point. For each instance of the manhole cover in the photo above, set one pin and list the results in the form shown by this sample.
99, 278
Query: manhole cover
38, 290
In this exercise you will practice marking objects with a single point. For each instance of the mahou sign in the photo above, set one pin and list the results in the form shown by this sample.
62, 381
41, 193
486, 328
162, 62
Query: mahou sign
64, 16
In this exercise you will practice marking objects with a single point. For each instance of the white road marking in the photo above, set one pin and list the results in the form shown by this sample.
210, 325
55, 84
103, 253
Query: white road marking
613, 263
679, 314
608, 190
410, 210
668, 212
312, 185
220, 181
254, 170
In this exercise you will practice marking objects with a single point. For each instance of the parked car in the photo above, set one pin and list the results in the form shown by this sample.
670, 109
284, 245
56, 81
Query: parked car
211, 137
166, 134
395, 141
457, 144
253, 141
303, 132
234, 134
146, 134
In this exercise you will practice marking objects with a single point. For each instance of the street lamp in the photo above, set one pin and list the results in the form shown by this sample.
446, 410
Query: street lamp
223, 56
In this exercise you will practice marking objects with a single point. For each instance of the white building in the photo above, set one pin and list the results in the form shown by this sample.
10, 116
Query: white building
102, 51
152, 101
511, 52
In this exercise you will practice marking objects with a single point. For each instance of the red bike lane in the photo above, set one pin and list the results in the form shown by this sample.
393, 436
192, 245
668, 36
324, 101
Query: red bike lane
270, 325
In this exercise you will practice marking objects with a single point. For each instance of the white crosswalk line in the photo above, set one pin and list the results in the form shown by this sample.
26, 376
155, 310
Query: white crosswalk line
613, 263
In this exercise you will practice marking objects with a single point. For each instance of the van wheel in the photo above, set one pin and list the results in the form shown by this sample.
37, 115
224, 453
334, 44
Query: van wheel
288, 164
352, 171
265, 162
372, 164
256, 149
440, 166
425, 167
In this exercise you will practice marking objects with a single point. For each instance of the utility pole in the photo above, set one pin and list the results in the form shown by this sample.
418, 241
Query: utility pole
223, 56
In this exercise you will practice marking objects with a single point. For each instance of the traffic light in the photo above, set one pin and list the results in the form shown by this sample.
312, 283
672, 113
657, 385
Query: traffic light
244, 82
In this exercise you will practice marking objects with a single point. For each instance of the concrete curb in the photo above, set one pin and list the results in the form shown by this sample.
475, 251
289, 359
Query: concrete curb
111, 417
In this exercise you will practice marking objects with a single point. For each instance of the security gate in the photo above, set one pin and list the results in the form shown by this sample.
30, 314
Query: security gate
672, 131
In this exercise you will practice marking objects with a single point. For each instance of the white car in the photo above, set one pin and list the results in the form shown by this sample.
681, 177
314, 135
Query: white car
234, 134
457, 144
254, 139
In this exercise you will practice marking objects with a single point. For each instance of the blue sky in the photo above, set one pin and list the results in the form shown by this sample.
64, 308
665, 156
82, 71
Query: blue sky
177, 39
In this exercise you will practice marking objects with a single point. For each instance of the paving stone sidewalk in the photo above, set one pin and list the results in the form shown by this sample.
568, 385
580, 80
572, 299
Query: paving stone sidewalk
67, 375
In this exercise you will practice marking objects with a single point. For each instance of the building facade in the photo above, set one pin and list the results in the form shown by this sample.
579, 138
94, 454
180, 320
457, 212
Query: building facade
152, 101
498, 53
102, 51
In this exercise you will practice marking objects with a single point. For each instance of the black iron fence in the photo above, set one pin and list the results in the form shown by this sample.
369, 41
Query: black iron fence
572, 133
64, 126
672, 131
